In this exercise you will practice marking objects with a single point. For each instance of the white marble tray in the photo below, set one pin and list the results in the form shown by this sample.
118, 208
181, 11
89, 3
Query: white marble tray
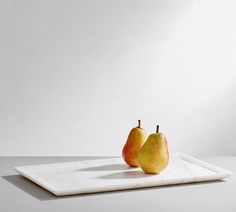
112, 174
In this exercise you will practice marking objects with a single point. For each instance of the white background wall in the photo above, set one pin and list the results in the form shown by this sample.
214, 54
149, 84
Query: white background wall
76, 75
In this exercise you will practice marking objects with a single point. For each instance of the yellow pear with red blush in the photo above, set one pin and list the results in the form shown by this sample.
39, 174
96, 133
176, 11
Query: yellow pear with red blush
134, 143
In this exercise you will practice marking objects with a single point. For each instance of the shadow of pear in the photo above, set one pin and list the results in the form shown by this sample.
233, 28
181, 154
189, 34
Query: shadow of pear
125, 175
109, 167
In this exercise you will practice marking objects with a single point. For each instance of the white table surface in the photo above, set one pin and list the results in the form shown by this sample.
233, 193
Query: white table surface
19, 194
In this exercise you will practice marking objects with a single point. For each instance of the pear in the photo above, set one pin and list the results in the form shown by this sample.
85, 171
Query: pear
135, 141
154, 155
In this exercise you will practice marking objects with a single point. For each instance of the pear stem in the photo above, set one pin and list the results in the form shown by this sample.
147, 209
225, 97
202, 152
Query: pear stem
139, 123
157, 130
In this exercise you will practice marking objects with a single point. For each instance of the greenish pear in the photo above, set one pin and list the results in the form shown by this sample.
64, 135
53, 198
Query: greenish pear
154, 155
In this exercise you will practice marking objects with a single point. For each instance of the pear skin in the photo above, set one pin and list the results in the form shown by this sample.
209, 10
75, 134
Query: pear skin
154, 155
135, 141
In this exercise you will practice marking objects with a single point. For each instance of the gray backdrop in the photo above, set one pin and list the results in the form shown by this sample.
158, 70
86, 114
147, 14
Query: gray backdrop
75, 75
